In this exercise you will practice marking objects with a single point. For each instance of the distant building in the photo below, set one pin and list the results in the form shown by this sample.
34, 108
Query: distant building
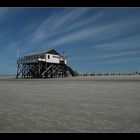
43, 64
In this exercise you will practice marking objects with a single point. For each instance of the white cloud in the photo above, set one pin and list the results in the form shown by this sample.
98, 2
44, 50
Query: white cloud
101, 32
108, 56
56, 24
61, 23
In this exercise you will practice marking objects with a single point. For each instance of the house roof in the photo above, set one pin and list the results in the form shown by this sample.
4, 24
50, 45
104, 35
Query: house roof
42, 53
53, 52
36, 54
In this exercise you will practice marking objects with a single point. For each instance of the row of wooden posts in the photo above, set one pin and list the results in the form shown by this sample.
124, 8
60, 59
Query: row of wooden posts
106, 73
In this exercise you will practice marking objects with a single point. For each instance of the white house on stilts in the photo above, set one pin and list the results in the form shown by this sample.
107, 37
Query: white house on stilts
43, 65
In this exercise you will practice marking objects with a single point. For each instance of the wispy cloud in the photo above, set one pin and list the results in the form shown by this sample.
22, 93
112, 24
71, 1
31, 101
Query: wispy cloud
96, 35
53, 24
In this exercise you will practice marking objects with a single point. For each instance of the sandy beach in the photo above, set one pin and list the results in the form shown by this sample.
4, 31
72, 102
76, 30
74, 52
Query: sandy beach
80, 104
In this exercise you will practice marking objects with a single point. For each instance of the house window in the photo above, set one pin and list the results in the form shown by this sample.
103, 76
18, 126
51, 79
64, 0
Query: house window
48, 56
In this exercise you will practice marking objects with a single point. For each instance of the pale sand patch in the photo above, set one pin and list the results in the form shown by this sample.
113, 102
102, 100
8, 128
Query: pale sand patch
79, 104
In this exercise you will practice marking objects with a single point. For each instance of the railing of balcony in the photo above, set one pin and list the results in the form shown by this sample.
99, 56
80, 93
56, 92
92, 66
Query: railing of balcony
27, 59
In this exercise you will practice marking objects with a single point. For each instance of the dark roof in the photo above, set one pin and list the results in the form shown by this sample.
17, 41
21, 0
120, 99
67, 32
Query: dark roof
36, 54
42, 53
53, 52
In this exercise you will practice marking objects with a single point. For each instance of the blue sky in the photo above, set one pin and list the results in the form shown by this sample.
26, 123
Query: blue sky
94, 39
